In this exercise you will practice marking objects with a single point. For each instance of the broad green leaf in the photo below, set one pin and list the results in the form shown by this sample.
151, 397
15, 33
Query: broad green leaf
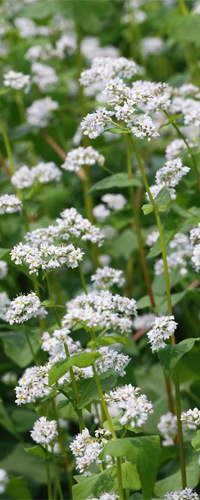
162, 200
196, 441
110, 339
18, 489
5, 420
117, 180
21, 463
125, 244
107, 481
16, 346
4, 251
138, 450
81, 360
88, 391
187, 30
173, 481
170, 355
37, 450
147, 209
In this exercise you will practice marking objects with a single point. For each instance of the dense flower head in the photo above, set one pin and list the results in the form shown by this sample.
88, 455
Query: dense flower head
9, 204
4, 304
39, 113
152, 45
101, 212
16, 80
167, 427
111, 359
33, 385
189, 107
3, 480
195, 235
23, 308
28, 28
105, 278
80, 157
162, 329
191, 416
104, 68
106, 496
91, 48
54, 344
171, 173
175, 147
101, 309
177, 260
186, 494
152, 238
44, 431
196, 257
94, 123
136, 408
114, 201
43, 173
87, 449
3, 269
44, 76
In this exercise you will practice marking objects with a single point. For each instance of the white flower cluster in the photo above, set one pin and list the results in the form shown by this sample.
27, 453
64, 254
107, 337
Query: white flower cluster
91, 48
80, 157
101, 309
177, 260
114, 201
186, 494
9, 204
23, 308
136, 407
3, 480
162, 329
195, 235
29, 29
111, 359
106, 496
43, 173
191, 417
54, 344
175, 148
94, 123
3, 269
4, 304
46, 257
155, 190
144, 321
17, 81
105, 68
33, 385
101, 212
44, 76
39, 113
195, 241
107, 277
171, 174
87, 449
44, 431
152, 238
168, 427
188, 107
152, 45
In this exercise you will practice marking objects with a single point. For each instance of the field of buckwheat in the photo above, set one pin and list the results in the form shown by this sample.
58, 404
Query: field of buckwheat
99, 249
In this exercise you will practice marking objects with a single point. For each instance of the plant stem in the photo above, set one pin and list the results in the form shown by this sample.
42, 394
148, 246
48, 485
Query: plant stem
51, 297
192, 156
76, 394
31, 348
57, 481
137, 227
167, 283
7, 145
50, 497
83, 279
62, 447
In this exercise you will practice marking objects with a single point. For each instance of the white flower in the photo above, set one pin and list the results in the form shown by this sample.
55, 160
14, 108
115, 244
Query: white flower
94, 123
136, 407
196, 257
152, 45
39, 113
80, 157
195, 235
23, 308
106, 496
91, 48
156, 188
101, 212
144, 321
171, 173
46, 172
54, 344
87, 449
111, 359
186, 494
3, 269
33, 385
142, 126
17, 81
28, 28
152, 238
44, 76
3, 480
105, 68
44, 431
162, 329
23, 178
4, 304
175, 147
191, 417
9, 203
67, 43
107, 277
114, 201
168, 428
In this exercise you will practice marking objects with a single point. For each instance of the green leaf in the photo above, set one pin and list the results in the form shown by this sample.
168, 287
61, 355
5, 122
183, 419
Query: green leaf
81, 360
170, 355
173, 481
140, 451
37, 450
107, 481
5, 420
162, 200
3, 252
16, 346
196, 441
117, 180
147, 209
111, 339
88, 391
125, 244
26, 464
187, 30
156, 248
18, 489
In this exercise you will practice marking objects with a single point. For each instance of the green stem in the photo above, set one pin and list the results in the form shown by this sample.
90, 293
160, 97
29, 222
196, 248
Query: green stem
83, 279
51, 297
137, 227
62, 447
57, 482
192, 156
76, 394
50, 497
167, 283
183, 7
31, 348
7, 145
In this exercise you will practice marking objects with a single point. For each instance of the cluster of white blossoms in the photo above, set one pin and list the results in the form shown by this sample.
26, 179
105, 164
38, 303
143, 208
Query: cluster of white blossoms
101, 212
186, 494
178, 259
191, 417
29, 29
23, 308
78, 158
152, 45
136, 408
107, 277
54, 344
144, 321
114, 201
188, 107
9, 204
162, 329
44, 431
4, 304
91, 48
111, 359
94, 123
43, 173
175, 147
195, 241
39, 113
17, 81
44, 76
106, 496
33, 385
3, 480
46, 257
87, 449
105, 68
3, 269
152, 238
168, 427
171, 174
101, 309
